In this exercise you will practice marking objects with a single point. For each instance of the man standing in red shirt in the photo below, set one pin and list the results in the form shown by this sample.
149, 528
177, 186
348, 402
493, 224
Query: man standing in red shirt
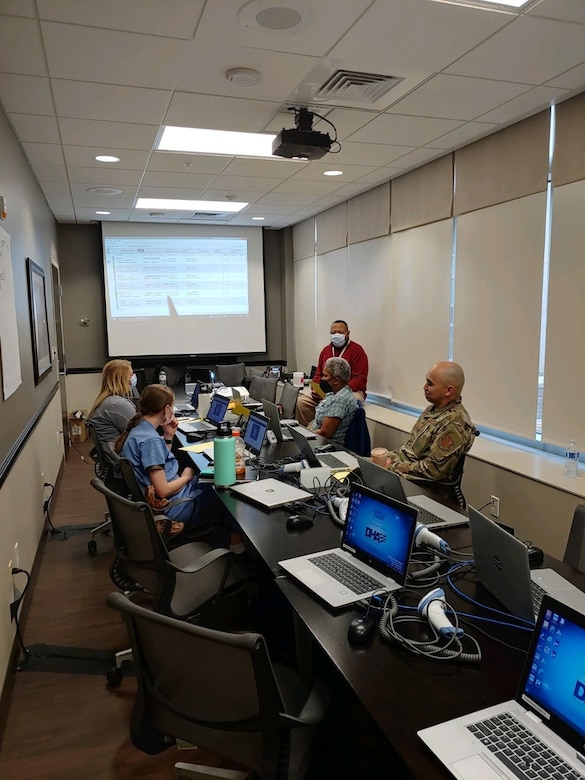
339, 346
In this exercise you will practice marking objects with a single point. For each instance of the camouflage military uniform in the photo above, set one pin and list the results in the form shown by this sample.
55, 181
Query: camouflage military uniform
438, 439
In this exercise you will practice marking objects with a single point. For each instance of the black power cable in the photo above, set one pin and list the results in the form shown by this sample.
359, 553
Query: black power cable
14, 613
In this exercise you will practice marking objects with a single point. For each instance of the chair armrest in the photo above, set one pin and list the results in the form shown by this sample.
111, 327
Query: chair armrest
205, 560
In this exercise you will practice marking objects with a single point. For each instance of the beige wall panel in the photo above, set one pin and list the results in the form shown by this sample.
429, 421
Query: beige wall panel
332, 228
569, 158
304, 315
368, 214
423, 195
304, 239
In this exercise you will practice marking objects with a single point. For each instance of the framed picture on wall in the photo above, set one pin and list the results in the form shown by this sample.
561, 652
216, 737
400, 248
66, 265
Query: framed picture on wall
39, 323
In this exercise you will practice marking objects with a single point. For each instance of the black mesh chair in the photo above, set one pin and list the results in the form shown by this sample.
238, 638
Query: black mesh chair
263, 388
288, 400
575, 550
221, 692
452, 486
231, 375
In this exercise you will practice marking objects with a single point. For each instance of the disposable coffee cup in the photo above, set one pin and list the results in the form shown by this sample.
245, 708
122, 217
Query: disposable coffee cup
298, 379
379, 455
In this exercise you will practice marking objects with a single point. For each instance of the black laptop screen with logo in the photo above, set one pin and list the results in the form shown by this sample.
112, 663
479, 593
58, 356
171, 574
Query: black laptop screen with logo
255, 432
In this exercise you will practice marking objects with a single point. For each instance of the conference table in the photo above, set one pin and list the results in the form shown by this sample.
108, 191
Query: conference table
401, 692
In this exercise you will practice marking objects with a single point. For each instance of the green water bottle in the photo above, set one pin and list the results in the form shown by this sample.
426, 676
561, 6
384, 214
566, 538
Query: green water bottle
224, 456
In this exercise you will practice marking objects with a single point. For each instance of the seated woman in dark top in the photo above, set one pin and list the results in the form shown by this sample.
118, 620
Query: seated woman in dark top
112, 409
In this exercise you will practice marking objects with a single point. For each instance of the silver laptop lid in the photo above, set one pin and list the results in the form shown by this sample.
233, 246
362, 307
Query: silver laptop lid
380, 479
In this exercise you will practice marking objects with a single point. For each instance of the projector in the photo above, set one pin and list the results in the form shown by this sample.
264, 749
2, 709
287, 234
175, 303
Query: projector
304, 144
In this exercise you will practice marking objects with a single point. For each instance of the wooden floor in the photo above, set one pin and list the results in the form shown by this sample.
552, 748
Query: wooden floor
71, 726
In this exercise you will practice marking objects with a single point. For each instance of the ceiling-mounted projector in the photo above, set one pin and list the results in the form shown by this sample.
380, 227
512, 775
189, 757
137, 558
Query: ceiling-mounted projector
302, 142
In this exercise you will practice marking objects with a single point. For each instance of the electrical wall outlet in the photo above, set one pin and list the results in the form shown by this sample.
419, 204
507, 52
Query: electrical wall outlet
495, 506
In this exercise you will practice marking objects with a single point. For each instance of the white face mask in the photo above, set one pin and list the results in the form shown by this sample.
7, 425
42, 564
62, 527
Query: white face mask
170, 420
133, 380
338, 340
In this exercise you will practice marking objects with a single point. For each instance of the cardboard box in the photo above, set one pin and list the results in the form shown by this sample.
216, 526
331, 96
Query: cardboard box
77, 428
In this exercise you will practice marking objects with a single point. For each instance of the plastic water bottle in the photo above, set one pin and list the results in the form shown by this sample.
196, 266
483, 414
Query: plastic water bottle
240, 455
572, 460
187, 377
224, 456
162, 377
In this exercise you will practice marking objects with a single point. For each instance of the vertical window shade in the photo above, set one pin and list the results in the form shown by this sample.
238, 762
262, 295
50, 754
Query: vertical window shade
368, 214
304, 239
424, 195
564, 374
333, 293
569, 159
304, 309
504, 166
417, 309
332, 228
497, 312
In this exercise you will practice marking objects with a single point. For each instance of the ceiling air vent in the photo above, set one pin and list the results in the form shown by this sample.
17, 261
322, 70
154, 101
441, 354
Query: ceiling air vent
356, 86
212, 216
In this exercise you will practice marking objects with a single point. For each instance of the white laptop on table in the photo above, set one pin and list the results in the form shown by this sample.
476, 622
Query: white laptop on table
503, 567
215, 415
431, 513
376, 543
333, 460
543, 726
270, 493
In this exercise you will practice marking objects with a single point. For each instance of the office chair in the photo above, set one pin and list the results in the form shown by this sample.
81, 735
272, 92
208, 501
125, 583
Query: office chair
231, 375
221, 692
575, 550
263, 388
357, 436
256, 372
452, 485
288, 400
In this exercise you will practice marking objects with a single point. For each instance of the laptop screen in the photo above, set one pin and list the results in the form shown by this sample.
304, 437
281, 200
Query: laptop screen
553, 682
218, 408
255, 432
379, 531
382, 480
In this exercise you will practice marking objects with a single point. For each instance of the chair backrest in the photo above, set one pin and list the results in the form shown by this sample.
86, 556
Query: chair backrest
107, 462
231, 374
134, 490
263, 388
211, 688
288, 400
357, 436
575, 550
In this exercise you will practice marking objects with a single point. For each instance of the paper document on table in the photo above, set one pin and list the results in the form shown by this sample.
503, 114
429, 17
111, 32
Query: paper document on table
205, 447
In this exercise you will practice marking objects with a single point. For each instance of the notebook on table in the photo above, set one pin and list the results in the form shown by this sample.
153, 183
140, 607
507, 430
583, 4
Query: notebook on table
373, 556
431, 513
503, 567
270, 493
543, 726
277, 427
333, 460
215, 415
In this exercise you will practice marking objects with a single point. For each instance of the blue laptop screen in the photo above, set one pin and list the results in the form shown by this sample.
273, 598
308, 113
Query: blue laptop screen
255, 432
555, 681
218, 408
379, 530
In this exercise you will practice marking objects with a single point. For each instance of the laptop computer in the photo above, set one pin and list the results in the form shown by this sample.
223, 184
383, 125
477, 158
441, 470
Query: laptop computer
270, 493
431, 513
255, 432
215, 415
376, 544
333, 460
189, 406
547, 711
276, 426
503, 567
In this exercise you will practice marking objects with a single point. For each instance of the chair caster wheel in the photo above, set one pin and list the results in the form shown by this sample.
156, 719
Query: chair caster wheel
114, 676
92, 547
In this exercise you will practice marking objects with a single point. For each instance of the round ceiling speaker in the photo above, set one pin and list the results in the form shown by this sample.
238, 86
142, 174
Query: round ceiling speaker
263, 16
104, 191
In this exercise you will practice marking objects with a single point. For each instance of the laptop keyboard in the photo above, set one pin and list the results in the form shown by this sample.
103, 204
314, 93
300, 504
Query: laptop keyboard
425, 517
348, 575
526, 756
537, 595
330, 460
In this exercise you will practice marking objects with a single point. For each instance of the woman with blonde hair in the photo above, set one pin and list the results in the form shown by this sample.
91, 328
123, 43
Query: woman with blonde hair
112, 408
155, 465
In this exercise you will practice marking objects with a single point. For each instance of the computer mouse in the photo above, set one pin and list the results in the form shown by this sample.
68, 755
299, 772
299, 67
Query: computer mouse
361, 630
296, 522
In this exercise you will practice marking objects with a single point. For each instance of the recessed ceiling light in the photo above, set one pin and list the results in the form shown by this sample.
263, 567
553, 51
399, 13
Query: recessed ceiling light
226, 142
258, 219
107, 158
332, 173
172, 204
103, 212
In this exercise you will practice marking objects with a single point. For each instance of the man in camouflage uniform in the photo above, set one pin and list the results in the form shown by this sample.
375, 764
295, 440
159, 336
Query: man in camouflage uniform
442, 433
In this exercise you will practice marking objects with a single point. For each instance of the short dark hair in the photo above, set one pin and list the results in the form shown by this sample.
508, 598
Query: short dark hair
341, 322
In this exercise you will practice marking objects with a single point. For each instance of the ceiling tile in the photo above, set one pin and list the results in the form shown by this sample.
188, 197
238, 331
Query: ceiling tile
217, 113
570, 79
49, 172
406, 130
83, 100
183, 181
103, 176
187, 163
277, 168
315, 170
529, 102
19, 8
462, 135
39, 129
565, 10
16, 56
46, 154
85, 156
372, 154
118, 135
418, 157
26, 94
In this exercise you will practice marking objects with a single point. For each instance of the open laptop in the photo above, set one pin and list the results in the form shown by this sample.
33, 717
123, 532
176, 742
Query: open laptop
431, 513
270, 493
188, 406
503, 567
255, 432
375, 548
545, 717
332, 460
276, 426
215, 415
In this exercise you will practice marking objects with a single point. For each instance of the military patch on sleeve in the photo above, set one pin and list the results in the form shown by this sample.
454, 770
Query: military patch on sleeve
446, 442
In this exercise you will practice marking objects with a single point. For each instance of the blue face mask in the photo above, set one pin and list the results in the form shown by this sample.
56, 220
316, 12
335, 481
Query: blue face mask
338, 340
133, 380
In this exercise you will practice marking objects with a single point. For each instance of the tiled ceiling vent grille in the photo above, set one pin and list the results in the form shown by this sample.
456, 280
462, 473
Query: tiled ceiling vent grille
355, 86
212, 216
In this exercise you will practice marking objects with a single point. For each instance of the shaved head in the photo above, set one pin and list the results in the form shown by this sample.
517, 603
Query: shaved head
444, 383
